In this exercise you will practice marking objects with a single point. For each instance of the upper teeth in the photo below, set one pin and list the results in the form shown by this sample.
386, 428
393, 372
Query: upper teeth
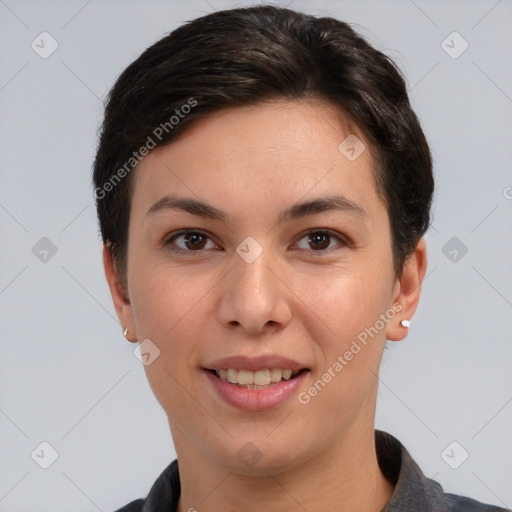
259, 378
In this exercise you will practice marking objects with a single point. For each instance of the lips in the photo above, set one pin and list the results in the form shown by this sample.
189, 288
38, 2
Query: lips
255, 383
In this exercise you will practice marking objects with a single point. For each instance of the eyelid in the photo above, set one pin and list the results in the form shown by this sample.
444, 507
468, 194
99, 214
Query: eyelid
343, 241
168, 240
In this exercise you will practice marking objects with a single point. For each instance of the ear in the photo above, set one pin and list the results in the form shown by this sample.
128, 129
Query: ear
407, 291
121, 302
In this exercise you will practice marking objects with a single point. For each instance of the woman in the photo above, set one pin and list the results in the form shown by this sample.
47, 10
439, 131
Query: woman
262, 188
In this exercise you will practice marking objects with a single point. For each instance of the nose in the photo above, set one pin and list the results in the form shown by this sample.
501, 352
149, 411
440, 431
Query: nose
253, 298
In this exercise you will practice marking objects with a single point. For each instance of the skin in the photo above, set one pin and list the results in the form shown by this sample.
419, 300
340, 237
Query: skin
302, 300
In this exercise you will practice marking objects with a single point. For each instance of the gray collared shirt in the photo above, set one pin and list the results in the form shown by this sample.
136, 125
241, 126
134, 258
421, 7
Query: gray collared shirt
414, 492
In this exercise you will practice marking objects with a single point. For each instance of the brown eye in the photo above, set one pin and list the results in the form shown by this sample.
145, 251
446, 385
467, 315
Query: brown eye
194, 241
190, 241
321, 241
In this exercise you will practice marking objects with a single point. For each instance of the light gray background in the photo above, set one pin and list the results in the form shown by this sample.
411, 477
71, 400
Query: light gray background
67, 375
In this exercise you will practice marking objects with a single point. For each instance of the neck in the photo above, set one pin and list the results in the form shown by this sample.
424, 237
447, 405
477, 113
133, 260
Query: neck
344, 478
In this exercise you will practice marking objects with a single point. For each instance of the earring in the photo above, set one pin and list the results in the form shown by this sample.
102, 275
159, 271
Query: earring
405, 323
125, 332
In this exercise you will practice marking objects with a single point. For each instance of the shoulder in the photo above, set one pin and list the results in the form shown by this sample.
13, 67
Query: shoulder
455, 503
163, 496
413, 490
134, 506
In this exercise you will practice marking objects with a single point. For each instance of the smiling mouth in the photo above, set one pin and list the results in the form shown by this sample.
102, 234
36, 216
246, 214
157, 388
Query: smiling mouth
261, 379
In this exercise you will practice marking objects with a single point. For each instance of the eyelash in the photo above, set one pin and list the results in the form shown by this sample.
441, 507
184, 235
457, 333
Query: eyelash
341, 241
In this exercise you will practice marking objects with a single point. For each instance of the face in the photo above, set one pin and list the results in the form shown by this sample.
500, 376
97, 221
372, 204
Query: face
256, 246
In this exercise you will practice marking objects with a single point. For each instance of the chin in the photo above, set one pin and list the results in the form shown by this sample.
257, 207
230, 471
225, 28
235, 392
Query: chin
258, 457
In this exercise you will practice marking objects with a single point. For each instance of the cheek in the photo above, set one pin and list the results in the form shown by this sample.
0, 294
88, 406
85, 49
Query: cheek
167, 302
171, 310
342, 304
349, 334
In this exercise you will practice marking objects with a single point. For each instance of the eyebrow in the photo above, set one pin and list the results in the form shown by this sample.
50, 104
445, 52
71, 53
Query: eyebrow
201, 209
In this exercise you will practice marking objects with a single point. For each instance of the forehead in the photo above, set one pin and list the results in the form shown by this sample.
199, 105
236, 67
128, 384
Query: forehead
295, 126
280, 149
